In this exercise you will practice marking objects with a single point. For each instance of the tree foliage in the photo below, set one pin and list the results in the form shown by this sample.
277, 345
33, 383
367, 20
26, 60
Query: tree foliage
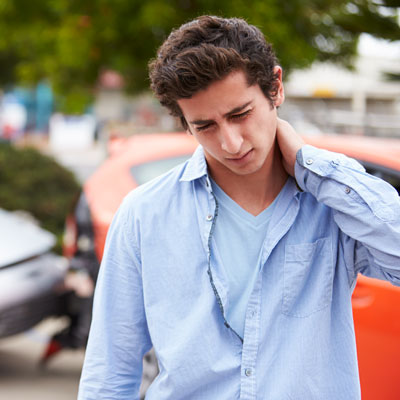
71, 41
36, 183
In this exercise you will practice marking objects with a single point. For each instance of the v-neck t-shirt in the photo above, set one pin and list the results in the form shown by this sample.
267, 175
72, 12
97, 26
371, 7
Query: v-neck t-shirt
237, 242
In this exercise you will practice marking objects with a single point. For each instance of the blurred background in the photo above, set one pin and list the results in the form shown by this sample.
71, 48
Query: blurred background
74, 92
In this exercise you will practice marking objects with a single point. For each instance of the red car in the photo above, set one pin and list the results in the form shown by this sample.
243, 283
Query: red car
136, 160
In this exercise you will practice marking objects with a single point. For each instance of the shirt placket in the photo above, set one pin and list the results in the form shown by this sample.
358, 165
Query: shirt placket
217, 286
248, 382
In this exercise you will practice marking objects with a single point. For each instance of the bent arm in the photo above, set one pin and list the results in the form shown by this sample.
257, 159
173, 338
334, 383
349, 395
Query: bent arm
366, 209
118, 336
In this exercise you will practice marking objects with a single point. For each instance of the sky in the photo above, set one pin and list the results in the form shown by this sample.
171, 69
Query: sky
370, 46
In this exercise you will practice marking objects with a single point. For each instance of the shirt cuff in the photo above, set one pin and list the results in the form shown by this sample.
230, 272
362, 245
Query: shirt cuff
322, 163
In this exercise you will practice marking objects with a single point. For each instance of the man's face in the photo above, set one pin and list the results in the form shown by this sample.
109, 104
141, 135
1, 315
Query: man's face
235, 123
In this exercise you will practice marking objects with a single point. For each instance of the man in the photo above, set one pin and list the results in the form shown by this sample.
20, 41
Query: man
238, 266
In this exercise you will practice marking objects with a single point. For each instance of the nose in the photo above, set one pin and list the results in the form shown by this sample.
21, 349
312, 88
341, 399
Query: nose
231, 139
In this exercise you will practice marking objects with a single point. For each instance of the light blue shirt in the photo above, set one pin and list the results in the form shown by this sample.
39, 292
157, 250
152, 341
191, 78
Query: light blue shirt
237, 245
157, 287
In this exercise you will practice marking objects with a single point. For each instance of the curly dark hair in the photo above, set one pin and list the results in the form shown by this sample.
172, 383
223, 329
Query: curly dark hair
206, 50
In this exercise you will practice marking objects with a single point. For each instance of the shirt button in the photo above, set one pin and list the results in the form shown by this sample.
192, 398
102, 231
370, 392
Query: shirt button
209, 217
252, 313
309, 161
347, 190
248, 372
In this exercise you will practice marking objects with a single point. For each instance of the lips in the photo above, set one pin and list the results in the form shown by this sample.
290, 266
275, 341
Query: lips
241, 157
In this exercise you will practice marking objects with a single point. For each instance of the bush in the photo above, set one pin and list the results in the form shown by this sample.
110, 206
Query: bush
36, 183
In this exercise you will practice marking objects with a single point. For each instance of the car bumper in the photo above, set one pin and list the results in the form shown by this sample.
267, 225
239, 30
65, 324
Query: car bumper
31, 291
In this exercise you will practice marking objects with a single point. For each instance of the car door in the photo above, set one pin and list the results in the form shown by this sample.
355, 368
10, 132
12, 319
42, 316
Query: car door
376, 310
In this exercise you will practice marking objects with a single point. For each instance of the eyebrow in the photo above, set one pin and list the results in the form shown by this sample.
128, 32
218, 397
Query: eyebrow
229, 113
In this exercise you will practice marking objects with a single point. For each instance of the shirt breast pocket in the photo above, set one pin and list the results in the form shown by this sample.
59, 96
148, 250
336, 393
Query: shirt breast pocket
307, 278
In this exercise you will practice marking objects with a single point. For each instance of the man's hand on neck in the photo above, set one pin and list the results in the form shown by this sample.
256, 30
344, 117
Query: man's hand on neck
290, 142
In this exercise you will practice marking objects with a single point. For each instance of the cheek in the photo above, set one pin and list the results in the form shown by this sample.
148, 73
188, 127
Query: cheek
208, 141
269, 126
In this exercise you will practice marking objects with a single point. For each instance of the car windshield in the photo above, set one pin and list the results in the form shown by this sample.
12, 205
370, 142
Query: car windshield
143, 173
389, 175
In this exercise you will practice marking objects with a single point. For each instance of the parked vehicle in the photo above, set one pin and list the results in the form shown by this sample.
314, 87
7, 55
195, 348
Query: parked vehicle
31, 276
136, 160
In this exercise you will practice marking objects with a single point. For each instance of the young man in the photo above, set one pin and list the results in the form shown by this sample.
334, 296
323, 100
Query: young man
238, 266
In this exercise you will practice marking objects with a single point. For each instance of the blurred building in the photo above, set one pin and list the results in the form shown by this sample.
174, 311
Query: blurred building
24, 109
322, 98
122, 115
330, 98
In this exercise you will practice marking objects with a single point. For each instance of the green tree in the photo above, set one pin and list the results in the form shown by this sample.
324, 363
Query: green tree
71, 41
36, 183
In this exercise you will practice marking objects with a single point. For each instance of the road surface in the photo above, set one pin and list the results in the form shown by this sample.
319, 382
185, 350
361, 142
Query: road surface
22, 379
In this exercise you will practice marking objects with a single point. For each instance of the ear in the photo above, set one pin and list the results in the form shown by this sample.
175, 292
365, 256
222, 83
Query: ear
280, 93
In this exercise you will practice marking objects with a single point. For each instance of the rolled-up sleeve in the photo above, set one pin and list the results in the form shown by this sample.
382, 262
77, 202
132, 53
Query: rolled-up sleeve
366, 209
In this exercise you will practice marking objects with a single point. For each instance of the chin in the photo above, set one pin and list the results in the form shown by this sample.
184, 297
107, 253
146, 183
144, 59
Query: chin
246, 171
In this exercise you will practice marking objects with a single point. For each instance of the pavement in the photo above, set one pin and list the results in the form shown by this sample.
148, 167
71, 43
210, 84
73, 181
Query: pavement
21, 378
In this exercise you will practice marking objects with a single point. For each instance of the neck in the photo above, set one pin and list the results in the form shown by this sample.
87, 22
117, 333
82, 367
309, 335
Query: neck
255, 192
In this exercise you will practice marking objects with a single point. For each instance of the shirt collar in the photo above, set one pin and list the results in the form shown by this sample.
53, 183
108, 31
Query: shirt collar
196, 166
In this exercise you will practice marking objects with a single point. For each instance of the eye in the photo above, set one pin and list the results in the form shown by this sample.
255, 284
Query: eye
241, 115
203, 127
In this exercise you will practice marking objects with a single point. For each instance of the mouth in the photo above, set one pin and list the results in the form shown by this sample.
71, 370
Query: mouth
242, 157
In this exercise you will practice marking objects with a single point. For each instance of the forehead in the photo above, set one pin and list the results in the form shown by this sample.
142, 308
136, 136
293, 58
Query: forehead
220, 97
